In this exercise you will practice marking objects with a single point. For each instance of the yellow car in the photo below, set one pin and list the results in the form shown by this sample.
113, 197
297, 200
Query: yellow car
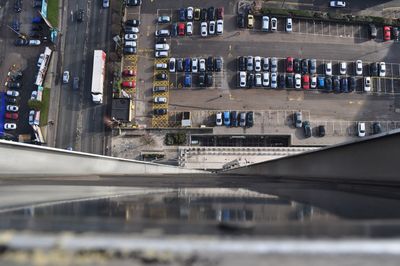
250, 21
197, 14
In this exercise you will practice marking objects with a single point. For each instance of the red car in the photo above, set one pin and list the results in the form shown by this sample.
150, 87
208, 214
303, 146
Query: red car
220, 13
306, 82
13, 116
289, 64
181, 29
386, 33
128, 73
129, 84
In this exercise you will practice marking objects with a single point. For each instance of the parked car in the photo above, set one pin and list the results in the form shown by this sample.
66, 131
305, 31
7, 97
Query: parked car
218, 119
161, 54
258, 80
298, 119
11, 116
359, 68
289, 25
161, 76
106, 3
240, 21
181, 29
157, 89
373, 32
249, 119
234, 119
343, 68
66, 76
265, 79
274, 64
374, 69
13, 85
250, 63
210, 64
306, 82
376, 128
395, 33
160, 33
386, 33
367, 84
211, 13
11, 100
197, 12
80, 15
188, 80
18, 6
250, 21
352, 84
174, 29
304, 66
321, 131
289, 81
10, 126
162, 47
274, 80
257, 64
220, 13
130, 30
202, 79
34, 95
171, 65
128, 73
242, 119
289, 64
328, 84
313, 66
160, 66
218, 62
274, 24
21, 42
188, 64
313, 83
130, 37
202, 65
128, 84
344, 85
242, 63
382, 69
242, 79
132, 22
203, 14
220, 27
297, 65
129, 50
211, 27
328, 68
297, 81
250, 80
162, 19
12, 108
337, 4
31, 117
179, 65
265, 63
160, 100
361, 129
227, 118
265, 23
307, 129
12, 93
182, 14
189, 28
161, 111
336, 84
321, 82
133, 2
203, 29
75, 83
130, 44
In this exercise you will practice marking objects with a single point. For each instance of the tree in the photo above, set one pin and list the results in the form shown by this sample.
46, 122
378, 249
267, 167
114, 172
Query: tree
35, 104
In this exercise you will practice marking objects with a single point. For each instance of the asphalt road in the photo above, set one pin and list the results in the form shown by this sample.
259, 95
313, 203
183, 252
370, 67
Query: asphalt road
80, 122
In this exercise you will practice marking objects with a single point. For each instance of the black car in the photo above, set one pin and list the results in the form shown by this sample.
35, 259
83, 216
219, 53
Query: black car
234, 119
210, 64
160, 111
21, 42
240, 21
289, 81
160, 89
321, 131
75, 83
218, 64
179, 64
161, 40
328, 84
242, 63
336, 84
344, 85
132, 22
209, 79
211, 13
395, 33
37, 4
161, 76
374, 69
304, 66
307, 129
281, 81
14, 85
174, 29
203, 15
133, 2
249, 119
18, 6
352, 84
250, 80
11, 100
296, 65
202, 79
129, 50
80, 15
376, 128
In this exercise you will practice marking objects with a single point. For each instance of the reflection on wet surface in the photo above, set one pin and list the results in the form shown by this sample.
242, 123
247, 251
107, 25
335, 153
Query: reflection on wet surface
268, 211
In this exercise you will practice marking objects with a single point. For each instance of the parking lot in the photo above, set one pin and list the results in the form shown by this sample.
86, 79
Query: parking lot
323, 41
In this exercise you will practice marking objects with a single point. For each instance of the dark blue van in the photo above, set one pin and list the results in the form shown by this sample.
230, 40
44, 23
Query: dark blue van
187, 65
182, 14
321, 82
188, 80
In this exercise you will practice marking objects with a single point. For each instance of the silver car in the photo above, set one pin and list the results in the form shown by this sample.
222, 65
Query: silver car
274, 64
298, 119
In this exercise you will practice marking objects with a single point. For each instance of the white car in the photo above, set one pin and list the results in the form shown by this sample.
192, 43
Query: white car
34, 42
40, 60
162, 47
130, 37
172, 64
130, 43
274, 80
189, 28
313, 83
203, 29
162, 33
31, 117
161, 66
265, 23
265, 80
289, 25
359, 68
274, 24
250, 63
361, 129
12, 93
202, 65
160, 100
195, 63
220, 27
66, 76
257, 64
163, 19
106, 3
274, 64
343, 68
10, 126
161, 54
34, 95
242, 79
382, 69
297, 81
337, 4
211, 28
218, 119
258, 80
189, 13
367, 84
328, 68
12, 108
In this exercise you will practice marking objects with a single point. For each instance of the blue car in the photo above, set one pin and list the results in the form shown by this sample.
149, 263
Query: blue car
187, 65
182, 14
227, 118
188, 80
174, 29
321, 82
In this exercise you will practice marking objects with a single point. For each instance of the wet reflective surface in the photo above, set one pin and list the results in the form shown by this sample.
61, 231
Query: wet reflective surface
275, 209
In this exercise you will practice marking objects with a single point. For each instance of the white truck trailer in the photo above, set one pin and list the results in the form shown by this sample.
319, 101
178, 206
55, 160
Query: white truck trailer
99, 68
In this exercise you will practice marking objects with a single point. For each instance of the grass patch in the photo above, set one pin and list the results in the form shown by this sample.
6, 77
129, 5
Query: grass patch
44, 111
52, 12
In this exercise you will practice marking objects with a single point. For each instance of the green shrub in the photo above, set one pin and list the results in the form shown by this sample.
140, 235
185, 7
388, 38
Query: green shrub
175, 138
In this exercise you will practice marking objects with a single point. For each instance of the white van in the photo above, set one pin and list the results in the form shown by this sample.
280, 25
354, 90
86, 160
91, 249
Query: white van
162, 47
265, 23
